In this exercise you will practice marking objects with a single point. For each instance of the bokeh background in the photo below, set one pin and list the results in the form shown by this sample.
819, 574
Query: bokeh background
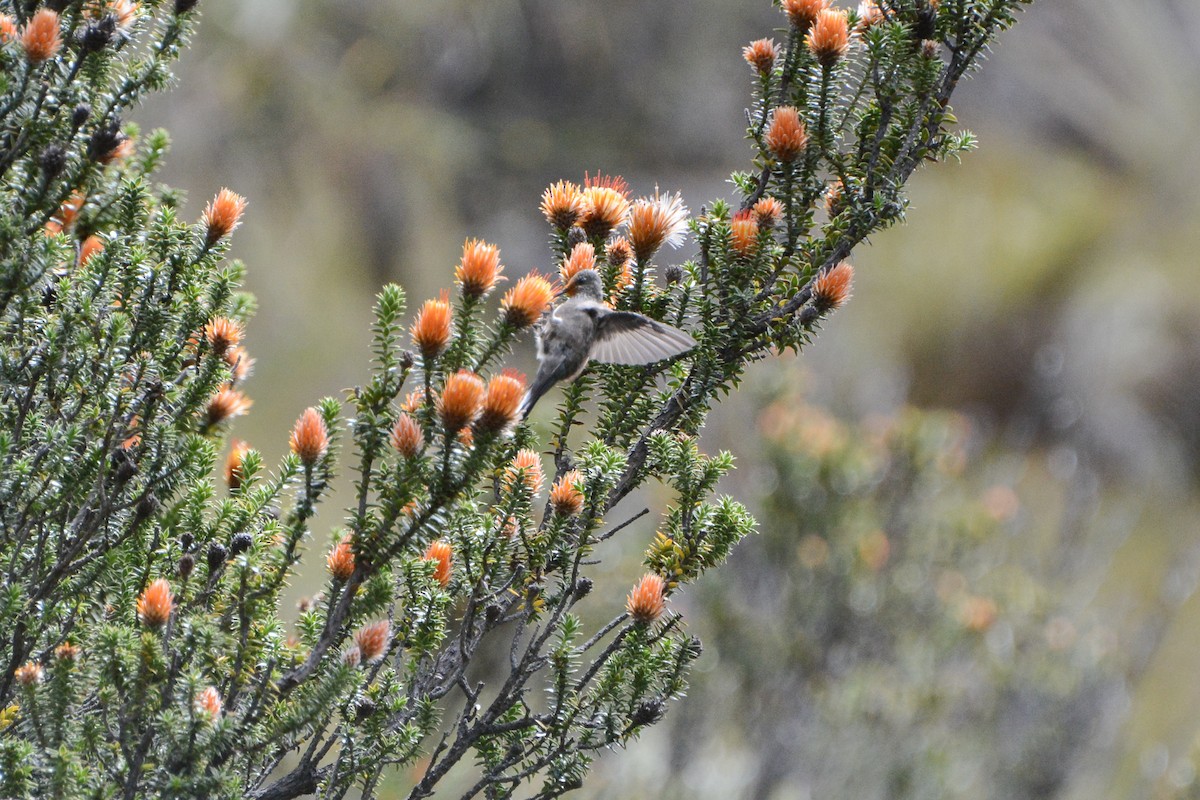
996, 599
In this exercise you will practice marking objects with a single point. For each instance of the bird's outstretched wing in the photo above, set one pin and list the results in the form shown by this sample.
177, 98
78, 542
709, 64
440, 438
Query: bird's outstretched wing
623, 337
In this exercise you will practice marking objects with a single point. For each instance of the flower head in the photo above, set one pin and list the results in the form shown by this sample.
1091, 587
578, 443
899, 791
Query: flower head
786, 135
208, 702
744, 233
8, 29
563, 204
66, 652
240, 364
761, 55
41, 38
525, 468
565, 499
583, 256
67, 213
406, 436
155, 604
223, 333
373, 639
28, 673
310, 437
90, 247
340, 560
831, 289
222, 215
803, 13
443, 553
225, 405
525, 302
768, 211
234, 463
431, 331
479, 268
829, 37
502, 401
869, 13
645, 603
834, 198
461, 400
655, 221
605, 205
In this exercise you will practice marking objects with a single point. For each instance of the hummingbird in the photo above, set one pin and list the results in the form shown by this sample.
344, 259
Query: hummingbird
584, 329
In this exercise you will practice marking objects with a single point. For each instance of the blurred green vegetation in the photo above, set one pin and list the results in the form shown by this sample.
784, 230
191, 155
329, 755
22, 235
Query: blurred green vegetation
1044, 289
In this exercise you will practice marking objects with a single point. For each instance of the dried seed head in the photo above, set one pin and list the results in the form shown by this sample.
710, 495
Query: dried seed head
222, 215
563, 204
29, 673
443, 553
341, 560
565, 499
526, 468
407, 437
225, 405
41, 38
761, 55
803, 13
155, 604
184, 6
831, 289
234, 462
583, 256
90, 247
525, 302
208, 703
223, 334
431, 331
215, 556
829, 37
373, 639
310, 437
768, 211
461, 400
744, 233
53, 159
655, 221
645, 603
185, 565
504, 394
786, 135
240, 543
479, 268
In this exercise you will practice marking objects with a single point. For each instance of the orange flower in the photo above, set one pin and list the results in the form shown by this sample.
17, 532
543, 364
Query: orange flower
830, 37
563, 204
225, 405
618, 252
786, 136
831, 289
869, 13
761, 55
209, 702
222, 215
240, 363
441, 552
504, 394
803, 13
605, 206
8, 28
41, 38
645, 603
655, 221
834, 198
310, 437
461, 400
155, 604
373, 639
978, 613
526, 468
431, 331
223, 333
407, 437
67, 213
66, 652
28, 673
234, 462
565, 499
341, 560
90, 247
768, 212
583, 256
525, 302
744, 233
479, 268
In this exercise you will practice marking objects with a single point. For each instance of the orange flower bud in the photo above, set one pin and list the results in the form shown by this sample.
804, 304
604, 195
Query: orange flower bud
461, 399
803, 13
41, 38
8, 29
225, 405
761, 55
407, 437
223, 334
786, 135
431, 331
90, 247
504, 395
645, 603
208, 702
28, 673
526, 467
341, 560
619, 252
155, 604
233, 464
834, 198
565, 499
831, 289
222, 215
829, 37
479, 268
443, 553
525, 302
563, 204
373, 639
310, 437
583, 256
744, 233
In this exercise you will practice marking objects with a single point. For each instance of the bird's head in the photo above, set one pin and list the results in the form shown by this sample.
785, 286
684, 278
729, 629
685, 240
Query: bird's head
587, 283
